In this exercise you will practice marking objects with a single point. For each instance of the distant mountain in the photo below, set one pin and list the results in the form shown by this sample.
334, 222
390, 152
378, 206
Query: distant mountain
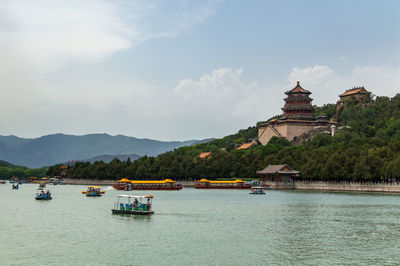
13, 141
108, 158
59, 148
203, 141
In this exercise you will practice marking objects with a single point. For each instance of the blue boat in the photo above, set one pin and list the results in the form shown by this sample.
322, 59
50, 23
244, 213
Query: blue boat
43, 194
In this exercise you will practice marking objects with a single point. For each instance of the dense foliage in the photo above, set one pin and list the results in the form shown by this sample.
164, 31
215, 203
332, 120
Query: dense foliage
8, 170
367, 148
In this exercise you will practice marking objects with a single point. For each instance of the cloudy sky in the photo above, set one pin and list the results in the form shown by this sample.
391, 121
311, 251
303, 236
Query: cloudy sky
177, 70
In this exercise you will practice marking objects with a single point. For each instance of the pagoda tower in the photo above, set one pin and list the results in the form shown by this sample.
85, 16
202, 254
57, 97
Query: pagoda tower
297, 117
298, 104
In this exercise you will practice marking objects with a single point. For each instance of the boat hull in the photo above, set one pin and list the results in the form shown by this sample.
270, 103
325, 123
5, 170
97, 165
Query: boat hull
40, 198
131, 212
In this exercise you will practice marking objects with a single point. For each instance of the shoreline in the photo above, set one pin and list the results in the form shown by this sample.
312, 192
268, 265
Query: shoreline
338, 186
298, 185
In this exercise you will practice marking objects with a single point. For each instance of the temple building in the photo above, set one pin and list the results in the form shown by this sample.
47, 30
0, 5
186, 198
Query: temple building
356, 93
297, 118
278, 173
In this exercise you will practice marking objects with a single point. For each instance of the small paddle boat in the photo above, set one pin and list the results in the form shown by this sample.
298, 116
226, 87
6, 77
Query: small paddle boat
93, 191
257, 190
15, 186
42, 184
129, 204
43, 194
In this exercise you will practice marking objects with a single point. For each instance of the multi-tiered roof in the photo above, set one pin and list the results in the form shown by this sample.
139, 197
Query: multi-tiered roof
298, 104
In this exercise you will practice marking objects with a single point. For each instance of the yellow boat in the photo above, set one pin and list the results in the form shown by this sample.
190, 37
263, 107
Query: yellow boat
93, 191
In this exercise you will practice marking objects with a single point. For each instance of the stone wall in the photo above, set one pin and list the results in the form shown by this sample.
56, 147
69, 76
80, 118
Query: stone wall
338, 186
309, 135
265, 134
294, 130
288, 131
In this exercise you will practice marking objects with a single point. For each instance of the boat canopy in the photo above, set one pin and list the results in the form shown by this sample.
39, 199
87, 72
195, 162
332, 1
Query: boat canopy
94, 187
221, 182
124, 180
131, 196
152, 182
43, 189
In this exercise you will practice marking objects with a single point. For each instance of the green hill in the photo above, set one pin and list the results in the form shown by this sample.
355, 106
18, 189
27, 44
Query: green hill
367, 149
8, 170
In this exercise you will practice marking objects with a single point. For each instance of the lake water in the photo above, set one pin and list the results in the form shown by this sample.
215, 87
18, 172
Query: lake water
199, 227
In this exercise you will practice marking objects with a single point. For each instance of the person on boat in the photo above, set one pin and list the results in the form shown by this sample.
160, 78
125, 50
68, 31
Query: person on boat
148, 204
135, 203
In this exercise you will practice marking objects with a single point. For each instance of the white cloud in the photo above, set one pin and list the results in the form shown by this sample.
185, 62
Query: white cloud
220, 102
316, 74
49, 33
39, 38
214, 104
220, 84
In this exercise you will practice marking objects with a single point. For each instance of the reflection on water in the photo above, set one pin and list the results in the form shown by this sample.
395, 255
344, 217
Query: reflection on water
139, 218
200, 227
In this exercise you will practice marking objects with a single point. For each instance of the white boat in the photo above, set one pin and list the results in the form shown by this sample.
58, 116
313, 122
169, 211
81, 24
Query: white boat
129, 204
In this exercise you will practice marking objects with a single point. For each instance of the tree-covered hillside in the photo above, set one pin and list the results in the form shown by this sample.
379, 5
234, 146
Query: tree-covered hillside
8, 170
367, 149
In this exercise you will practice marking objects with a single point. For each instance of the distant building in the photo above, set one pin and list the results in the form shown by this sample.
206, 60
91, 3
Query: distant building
278, 173
247, 145
205, 155
63, 171
297, 118
356, 93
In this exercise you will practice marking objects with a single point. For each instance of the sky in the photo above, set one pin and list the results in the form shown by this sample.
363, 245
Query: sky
179, 70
